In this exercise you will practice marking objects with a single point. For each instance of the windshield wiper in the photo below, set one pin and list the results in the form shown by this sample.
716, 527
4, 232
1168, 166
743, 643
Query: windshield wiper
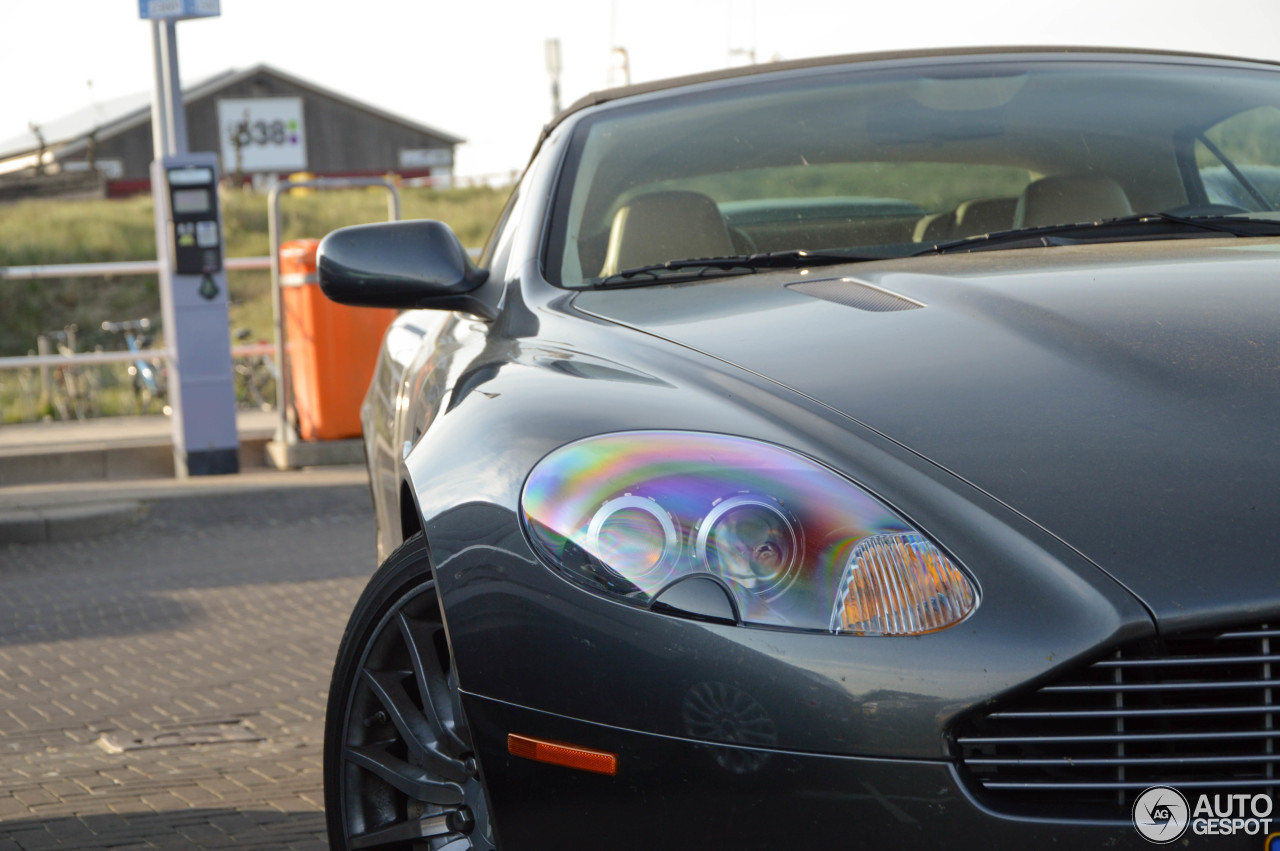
1139, 226
736, 264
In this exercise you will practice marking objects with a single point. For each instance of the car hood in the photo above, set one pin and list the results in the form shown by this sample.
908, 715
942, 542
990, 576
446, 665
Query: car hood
1124, 397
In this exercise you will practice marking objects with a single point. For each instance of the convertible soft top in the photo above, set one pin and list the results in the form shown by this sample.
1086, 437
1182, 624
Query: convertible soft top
606, 95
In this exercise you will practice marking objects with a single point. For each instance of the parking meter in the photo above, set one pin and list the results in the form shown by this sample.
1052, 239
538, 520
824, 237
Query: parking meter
193, 299
194, 235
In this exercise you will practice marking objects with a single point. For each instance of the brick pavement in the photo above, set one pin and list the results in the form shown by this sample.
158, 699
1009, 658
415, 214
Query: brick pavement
216, 615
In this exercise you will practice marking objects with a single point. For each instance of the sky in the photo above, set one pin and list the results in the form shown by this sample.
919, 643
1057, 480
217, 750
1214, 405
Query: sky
478, 69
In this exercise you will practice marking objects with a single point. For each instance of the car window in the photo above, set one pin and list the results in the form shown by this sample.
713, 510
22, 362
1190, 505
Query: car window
883, 162
930, 186
1239, 160
817, 206
498, 246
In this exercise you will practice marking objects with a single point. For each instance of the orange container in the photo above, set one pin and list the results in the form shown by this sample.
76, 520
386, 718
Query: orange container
332, 348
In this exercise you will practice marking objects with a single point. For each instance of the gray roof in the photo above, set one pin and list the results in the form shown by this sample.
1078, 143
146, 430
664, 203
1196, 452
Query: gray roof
76, 124
70, 133
607, 95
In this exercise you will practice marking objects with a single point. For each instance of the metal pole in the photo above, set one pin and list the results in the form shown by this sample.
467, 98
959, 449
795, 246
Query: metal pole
284, 434
46, 385
553, 69
177, 126
205, 441
159, 105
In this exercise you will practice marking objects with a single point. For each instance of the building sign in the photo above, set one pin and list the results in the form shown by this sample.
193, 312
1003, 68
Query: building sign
425, 157
172, 10
112, 169
262, 134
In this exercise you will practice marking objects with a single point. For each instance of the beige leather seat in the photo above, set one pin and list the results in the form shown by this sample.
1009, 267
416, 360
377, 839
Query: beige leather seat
1070, 198
663, 226
969, 218
984, 215
935, 227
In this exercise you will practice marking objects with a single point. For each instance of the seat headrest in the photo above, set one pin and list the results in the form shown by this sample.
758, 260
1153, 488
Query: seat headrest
935, 227
984, 215
661, 226
1070, 198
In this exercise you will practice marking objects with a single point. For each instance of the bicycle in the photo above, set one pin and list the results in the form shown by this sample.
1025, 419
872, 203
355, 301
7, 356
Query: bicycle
148, 374
256, 377
71, 391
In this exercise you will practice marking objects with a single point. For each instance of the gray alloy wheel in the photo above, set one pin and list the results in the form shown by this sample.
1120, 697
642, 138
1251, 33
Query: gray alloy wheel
400, 771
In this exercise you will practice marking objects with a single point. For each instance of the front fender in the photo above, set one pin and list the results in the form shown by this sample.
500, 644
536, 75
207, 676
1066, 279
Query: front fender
524, 635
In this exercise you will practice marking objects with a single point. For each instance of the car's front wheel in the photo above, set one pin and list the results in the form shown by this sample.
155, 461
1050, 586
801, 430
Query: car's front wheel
399, 767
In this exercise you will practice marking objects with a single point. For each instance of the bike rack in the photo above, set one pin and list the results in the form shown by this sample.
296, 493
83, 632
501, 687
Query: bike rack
286, 433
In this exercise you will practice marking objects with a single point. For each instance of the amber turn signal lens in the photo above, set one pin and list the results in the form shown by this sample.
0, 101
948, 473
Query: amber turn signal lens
901, 585
560, 753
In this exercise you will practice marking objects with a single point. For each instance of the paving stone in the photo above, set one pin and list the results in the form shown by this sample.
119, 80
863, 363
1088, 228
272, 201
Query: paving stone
33, 839
69, 830
11, 807
32, 797
208, 611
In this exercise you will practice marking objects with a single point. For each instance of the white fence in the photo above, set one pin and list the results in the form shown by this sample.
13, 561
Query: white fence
113, 270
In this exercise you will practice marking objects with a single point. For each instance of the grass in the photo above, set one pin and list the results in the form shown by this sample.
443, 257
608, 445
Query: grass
45, 232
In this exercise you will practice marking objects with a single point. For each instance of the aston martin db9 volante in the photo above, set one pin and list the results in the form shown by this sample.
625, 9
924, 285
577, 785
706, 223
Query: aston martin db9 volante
869, 452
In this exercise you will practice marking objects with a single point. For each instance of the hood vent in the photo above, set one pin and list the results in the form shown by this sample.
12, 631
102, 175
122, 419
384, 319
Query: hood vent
854, 293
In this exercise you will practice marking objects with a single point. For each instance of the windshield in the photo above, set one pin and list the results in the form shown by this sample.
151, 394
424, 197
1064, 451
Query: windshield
887, 162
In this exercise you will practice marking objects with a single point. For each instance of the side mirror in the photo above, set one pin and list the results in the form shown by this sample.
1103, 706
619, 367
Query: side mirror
415, 264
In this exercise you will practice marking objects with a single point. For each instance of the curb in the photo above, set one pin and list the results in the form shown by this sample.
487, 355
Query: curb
109, 461
66, 522
324, 453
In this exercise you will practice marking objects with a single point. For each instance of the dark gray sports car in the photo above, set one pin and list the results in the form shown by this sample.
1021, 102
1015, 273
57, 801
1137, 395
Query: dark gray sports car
870, 452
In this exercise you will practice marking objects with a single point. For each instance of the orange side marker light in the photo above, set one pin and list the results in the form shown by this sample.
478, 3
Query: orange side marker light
560, 753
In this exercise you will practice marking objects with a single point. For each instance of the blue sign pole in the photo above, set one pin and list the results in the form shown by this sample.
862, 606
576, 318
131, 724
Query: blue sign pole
174, 10
189, 246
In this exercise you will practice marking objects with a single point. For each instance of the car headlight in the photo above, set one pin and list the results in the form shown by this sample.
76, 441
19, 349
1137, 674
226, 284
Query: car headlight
792, 543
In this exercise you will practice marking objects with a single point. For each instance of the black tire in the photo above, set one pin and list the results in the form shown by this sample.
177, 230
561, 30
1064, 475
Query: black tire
399, 768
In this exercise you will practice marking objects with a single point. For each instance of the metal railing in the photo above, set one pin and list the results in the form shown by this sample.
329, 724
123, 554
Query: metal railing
112, 270
277, 347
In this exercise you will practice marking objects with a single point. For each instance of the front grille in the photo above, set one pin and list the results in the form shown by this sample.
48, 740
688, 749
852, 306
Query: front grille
1196, 712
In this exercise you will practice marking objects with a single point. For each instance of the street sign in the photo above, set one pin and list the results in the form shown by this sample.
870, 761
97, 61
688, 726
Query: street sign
262, 134
174, 10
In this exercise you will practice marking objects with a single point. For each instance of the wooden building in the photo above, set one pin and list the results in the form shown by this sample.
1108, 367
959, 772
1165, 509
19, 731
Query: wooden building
262, 121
